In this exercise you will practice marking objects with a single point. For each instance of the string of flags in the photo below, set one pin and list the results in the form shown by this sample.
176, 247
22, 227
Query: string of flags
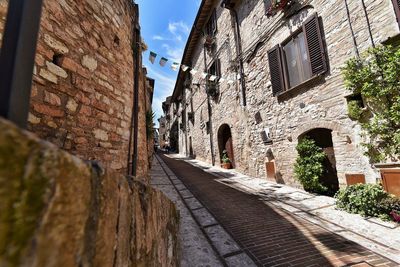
175, 67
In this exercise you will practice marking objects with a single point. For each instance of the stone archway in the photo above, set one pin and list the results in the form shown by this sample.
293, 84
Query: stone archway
323, 139
225, 142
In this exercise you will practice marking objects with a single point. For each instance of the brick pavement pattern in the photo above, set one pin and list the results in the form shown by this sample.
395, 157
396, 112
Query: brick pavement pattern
271, 236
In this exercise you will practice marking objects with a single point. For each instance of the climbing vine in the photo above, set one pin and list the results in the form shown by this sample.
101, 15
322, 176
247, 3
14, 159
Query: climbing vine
150, 115
375, 76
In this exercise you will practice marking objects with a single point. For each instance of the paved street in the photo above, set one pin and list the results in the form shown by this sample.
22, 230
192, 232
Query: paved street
271, 236
203, 241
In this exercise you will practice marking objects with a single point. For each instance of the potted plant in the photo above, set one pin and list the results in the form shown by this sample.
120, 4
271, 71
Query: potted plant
278, 5
209, 40
212, 89
225, 161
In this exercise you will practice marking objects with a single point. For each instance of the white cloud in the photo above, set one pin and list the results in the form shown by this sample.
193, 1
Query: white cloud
159, 38
164, 88
174, 53
179, 26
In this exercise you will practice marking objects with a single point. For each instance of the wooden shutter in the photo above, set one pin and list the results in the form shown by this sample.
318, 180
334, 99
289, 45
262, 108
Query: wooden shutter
396, 5
314, 43
214, 22
275, 69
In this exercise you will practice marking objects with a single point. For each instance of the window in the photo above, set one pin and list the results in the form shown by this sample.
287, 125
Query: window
212, 86
211, 26
298, 59
396, 4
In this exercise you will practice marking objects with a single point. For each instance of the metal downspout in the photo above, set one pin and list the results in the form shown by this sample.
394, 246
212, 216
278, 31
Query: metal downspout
135, 108
351, 29
209, 113
239, 54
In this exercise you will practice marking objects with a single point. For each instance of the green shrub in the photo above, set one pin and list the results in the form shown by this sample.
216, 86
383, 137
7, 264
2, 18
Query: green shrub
309, 167
375, 75
354, 109
364, 199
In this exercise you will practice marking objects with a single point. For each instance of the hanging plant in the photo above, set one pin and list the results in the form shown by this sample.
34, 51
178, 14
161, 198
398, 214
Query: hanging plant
279, 5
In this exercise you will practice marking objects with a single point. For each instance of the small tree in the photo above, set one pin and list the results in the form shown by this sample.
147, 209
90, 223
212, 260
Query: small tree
376, 77
309, 166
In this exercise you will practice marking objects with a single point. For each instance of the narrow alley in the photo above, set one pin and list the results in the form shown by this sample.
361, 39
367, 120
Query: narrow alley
270, 236
199, 133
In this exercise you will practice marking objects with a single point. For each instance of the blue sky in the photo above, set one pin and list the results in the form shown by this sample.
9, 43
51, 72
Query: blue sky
165, 27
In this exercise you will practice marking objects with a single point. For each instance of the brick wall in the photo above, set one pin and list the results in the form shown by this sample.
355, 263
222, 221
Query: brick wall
82, 93
57, 210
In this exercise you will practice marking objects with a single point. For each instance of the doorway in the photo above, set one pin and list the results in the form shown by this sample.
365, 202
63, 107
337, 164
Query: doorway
225, 142
174, 137
323, 139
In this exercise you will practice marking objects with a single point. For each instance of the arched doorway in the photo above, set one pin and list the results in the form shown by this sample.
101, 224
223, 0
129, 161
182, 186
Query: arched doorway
323, 139
225, 142
174, 137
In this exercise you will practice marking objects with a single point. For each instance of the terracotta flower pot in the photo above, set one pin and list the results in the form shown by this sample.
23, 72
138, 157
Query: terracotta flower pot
226, 165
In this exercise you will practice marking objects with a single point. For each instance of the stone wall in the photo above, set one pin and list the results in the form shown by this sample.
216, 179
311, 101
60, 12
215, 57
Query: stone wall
57, 210
318, 105
82, 93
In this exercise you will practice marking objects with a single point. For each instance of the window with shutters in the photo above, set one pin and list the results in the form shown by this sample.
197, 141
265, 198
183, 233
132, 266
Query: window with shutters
298, 59
211, 26
396, 5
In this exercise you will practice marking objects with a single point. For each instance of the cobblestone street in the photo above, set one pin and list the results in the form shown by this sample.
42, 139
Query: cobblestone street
269, 235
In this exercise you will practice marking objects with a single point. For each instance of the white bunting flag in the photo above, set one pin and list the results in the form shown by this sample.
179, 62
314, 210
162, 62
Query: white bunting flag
238, 76
163, 61
152, 57
213, 78
193, 72
204, 75
221, 80
174, 66
184, 67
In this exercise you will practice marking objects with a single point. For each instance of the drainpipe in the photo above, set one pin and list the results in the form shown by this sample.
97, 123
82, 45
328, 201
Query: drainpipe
135, 108
351, 29
368, 23
209, 113
184, 115
234, 14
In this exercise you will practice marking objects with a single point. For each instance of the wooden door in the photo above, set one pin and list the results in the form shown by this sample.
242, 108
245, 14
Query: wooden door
391, 181
229, 149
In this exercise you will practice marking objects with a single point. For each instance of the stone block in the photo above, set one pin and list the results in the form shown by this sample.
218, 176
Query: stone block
89, 62
56, 70
48, 76
52, 99
55, 44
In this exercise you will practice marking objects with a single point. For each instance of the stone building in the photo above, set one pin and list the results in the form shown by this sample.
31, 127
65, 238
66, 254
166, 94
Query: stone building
286, 83
83, 92
162, 121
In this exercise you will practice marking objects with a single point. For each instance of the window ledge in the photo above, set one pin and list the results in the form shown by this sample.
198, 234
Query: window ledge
291, 91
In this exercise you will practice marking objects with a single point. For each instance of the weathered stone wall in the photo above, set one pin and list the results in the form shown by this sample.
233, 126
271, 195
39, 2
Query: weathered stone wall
82, 93
57, 210
324, 102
